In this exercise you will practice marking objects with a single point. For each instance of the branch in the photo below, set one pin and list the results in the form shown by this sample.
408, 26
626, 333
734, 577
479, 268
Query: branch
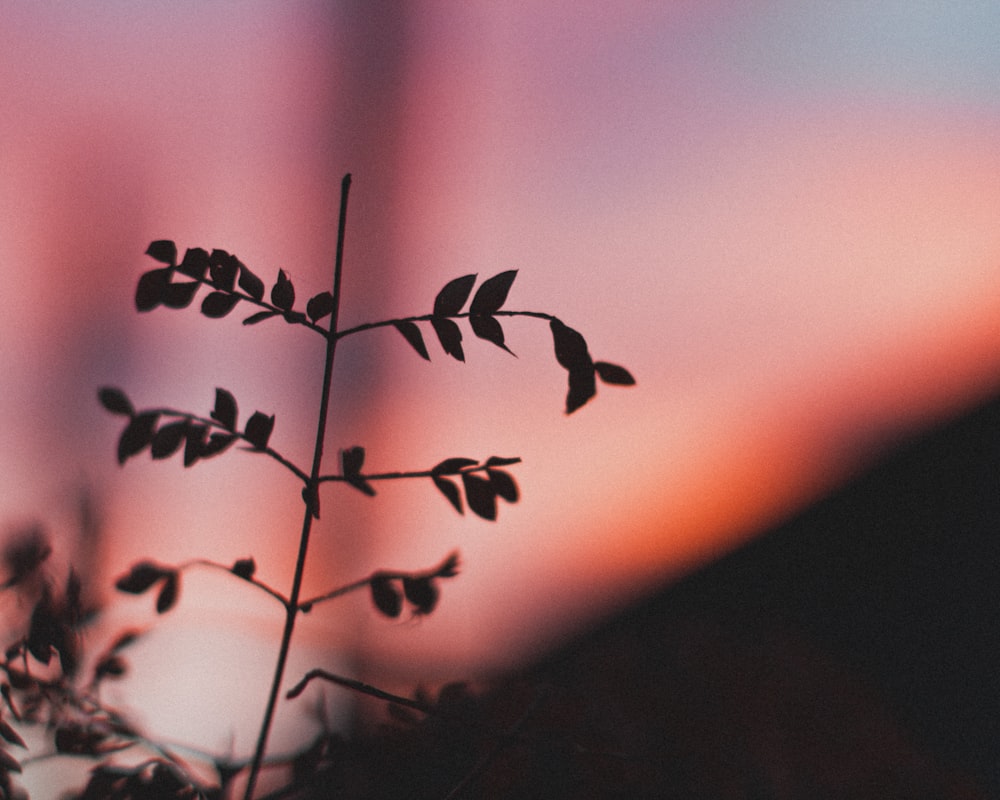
446, 569
426, 473
212, 423
367, 326
357, 686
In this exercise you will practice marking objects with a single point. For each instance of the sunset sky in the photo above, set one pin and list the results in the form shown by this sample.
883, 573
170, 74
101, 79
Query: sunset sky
780, 216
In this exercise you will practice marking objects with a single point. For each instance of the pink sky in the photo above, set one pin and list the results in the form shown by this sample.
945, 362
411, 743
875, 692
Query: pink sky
789, 242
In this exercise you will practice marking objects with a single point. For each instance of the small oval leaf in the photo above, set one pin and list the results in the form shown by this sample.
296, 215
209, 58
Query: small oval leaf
168, 593
582, 387
352, 459
260, 316
481, 496
450, 336
450, 466
168, 439
225, 411
222, 270
151, 288
450, 490
180, 295
283, 292
140, 577
115, 401
250, 283
570, 346
217, 443
244, 568
258, 429
138, 434
493, 293
412, 334
195, 263
489, 328
386, 597
504, 485
452, 297
217, 304
163, 250
422, 593
613, 374
319, 306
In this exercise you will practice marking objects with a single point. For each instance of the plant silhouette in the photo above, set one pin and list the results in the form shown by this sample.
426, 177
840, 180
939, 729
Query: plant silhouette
476, 484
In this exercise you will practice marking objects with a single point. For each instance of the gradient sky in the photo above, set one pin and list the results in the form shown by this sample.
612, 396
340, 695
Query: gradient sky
781, 216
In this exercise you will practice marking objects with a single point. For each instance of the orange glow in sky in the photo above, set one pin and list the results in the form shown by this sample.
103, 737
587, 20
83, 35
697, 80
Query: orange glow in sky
784, 228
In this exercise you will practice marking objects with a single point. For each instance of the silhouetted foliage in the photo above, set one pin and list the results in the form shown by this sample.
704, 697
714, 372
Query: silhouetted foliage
44, 681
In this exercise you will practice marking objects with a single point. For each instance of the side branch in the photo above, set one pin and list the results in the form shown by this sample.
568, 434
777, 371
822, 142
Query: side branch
367, 326
426, 473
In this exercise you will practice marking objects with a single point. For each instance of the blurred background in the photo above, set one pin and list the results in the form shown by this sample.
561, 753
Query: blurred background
780, 216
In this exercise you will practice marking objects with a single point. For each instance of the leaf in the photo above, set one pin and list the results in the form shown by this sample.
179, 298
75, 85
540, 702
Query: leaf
500, 461
260, 316
450, 490
582, 387
168, 593
450, 336
493, 293
222, 270
613, 374
504, 485
151, 288
319, 306
386, 597
195, 263
570, 346
140, 577
217, 443
258, 430
489, 328
8, 762
180, 295
451, 466
115, 401
452, 297
250, 283
412, 334
244, 568
194, 444
163, 250
168, 439
217, 304
449, 567
480, 495
283, 292
9, 734
352, 459
421, 592
137, 435
225, 411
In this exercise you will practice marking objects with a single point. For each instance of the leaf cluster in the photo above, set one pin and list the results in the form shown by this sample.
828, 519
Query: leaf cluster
229, 281
199, 438
450, 301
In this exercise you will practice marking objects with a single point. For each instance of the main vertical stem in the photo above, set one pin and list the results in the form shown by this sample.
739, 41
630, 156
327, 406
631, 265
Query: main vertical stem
311, 498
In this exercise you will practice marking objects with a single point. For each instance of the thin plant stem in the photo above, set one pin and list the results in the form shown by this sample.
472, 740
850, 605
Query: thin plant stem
311, 498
